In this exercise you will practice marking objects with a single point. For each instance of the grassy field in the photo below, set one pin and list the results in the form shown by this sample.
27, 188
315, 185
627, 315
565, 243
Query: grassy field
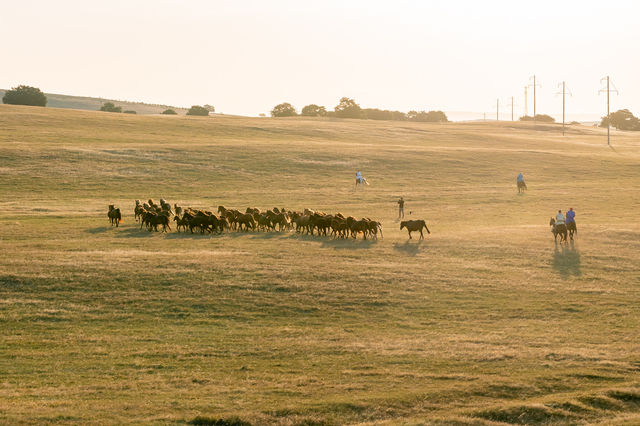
485, 322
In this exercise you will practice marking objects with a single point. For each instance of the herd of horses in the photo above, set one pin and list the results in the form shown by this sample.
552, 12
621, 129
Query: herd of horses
158, 217
310, 222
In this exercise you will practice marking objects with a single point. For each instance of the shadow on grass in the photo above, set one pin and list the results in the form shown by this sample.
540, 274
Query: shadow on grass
411, 247
346, 244
189, 236
134, 232
98, 230
336, 243
566, 259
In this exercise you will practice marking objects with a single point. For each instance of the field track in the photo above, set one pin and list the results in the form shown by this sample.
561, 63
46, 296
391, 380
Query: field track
484, 321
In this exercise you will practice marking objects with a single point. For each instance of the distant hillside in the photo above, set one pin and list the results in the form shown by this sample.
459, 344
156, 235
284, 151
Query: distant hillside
94, 104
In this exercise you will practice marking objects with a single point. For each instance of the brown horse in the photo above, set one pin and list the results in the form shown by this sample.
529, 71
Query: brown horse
415, 226
521, 187
114, 215
571, 227
559, 229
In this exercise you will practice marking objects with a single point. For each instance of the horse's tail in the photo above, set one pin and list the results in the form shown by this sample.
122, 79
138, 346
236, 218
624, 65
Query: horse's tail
426, 227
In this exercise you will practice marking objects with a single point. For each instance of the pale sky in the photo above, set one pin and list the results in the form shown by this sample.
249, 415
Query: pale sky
244, 57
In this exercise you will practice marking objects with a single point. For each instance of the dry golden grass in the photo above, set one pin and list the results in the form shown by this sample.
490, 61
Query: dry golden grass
485, 321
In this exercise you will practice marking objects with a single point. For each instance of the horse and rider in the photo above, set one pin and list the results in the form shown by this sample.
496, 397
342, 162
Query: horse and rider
520, 183
561, 225
360, 180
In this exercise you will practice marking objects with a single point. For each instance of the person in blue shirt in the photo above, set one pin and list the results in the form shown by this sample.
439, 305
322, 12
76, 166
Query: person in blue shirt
571, 216
520, 177
571, 222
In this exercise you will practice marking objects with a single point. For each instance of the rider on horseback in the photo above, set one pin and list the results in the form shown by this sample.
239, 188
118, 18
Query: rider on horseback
571, 216
520, 183
571, 222
360, 180
559, 219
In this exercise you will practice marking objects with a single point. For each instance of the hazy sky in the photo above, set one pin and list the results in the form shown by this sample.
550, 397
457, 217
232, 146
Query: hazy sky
246, 56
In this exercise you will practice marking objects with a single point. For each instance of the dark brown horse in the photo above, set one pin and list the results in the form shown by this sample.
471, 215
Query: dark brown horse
559, 229
114, 215
571, 227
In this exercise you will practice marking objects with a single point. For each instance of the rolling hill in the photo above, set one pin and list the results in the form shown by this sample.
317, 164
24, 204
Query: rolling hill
94, 104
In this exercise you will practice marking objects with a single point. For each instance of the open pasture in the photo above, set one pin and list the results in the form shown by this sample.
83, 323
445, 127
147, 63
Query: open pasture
484, 321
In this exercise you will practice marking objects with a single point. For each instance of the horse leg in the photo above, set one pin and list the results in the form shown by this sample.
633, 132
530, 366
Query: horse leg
409, 234
421, 234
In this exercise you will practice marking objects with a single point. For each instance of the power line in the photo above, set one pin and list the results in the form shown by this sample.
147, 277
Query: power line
565, 91
608, 90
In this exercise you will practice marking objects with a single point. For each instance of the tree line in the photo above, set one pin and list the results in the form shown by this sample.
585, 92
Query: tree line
348, 108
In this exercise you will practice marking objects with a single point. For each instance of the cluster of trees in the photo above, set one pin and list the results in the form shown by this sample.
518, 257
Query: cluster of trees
25, 95
202, 111
622, 119
543, 118
110, 107
348, 108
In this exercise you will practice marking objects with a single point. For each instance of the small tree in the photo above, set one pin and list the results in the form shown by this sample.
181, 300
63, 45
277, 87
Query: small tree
198, 110
169, 111
130, 112
25, 95
348, 108
110, 107
209, 108
283, 110
314, 110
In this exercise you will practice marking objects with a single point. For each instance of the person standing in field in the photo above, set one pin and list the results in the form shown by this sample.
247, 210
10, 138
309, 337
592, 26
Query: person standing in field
401, 208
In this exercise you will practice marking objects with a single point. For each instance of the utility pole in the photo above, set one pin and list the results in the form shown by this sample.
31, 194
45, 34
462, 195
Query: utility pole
564, 92
534, 85
512, 105
497, 109
608, 90
526, 105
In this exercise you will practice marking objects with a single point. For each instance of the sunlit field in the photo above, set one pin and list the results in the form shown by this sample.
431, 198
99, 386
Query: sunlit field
485, 321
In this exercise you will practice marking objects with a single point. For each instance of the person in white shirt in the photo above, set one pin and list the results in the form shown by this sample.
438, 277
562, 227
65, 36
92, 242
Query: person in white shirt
559, 219
360, 179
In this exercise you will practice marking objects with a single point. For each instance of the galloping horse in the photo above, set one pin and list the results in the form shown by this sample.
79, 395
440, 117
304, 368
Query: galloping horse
114, 215
560, 229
